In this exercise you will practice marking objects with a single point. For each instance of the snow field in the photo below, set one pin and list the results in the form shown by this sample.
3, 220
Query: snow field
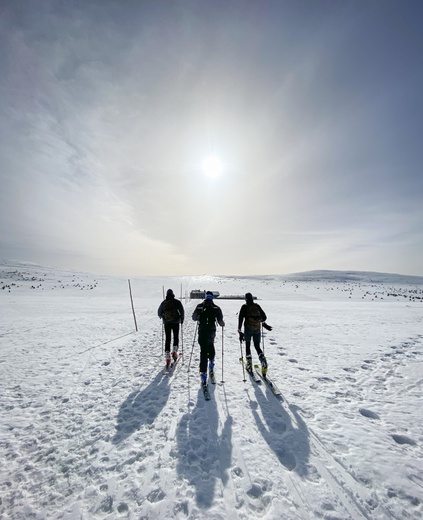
91, 427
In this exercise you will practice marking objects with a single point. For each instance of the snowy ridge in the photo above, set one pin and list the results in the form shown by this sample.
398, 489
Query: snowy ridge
357, 276
339, 276
91, 427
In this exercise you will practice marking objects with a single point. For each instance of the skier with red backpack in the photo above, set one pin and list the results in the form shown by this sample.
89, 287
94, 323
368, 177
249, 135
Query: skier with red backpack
253, 317
207, 314
171, 311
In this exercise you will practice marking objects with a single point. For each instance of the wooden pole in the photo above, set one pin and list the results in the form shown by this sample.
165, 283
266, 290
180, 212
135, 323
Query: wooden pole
132, 304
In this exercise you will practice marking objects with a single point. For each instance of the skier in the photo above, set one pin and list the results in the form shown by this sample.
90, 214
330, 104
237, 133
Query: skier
171, 311
207, 313
253, 316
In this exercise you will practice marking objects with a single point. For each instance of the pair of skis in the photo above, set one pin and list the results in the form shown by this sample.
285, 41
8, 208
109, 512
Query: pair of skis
170, 366
257, 376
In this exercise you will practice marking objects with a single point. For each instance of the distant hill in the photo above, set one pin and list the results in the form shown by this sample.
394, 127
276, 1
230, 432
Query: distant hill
322, 275
355, 276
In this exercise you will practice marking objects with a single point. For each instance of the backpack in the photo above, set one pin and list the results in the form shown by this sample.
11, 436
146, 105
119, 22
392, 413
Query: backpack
169, 311
208, 315
253, 317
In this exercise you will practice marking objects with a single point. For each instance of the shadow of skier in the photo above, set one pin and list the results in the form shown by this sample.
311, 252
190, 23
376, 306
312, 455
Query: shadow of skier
142, 407
223, 442
289, 439
204, 457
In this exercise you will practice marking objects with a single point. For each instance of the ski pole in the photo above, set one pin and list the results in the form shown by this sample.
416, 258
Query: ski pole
262, 335
192, 350
182, 342
222, 356
242, 360
162, 336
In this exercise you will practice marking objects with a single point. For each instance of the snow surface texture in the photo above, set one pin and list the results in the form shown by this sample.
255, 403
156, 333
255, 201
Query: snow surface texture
91, 427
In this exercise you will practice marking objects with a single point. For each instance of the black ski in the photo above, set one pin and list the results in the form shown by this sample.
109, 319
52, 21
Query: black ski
268, 381
206, 392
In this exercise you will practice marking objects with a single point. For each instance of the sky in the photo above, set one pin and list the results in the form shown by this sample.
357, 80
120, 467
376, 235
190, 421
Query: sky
108, 110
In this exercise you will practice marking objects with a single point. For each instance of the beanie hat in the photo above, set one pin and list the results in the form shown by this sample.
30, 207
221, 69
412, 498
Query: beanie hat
170, 294
209, 295
249, 297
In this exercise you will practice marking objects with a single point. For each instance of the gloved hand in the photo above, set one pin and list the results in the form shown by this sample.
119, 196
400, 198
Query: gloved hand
267, 327
241, 336
221, 323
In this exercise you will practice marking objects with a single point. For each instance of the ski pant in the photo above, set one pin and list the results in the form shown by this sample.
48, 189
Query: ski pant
207, 351
255, 335
170, 327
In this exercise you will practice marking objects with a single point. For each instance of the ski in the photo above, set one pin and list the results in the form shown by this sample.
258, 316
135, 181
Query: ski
268, 381
254, 376
252, 372
175, 361
206, 392
170, 366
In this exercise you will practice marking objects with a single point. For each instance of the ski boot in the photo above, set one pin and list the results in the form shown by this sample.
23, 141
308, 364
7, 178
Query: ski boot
203, 377
263, 362
167, 359
249, 364
175, 353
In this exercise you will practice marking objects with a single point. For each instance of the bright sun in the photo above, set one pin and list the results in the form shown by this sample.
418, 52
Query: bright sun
212, 167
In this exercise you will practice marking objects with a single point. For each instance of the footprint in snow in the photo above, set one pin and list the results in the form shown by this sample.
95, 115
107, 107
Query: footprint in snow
325, 379
402, 439
156, 495
237, 471
122, 507
350, 369
368, 413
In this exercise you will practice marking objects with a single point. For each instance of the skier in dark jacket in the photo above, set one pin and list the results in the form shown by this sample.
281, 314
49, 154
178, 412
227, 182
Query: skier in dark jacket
171, 311
207, 313
253, 316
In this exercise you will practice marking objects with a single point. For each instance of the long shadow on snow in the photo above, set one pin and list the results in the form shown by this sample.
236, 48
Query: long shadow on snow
204, 456
290, 442
142, 407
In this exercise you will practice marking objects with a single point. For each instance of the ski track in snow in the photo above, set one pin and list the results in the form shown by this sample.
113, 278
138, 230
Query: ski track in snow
92, 427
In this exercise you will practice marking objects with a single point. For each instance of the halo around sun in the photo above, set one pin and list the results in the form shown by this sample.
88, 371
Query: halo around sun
212, 167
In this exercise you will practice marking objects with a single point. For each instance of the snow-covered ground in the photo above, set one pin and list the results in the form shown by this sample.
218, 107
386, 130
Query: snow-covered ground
90, 427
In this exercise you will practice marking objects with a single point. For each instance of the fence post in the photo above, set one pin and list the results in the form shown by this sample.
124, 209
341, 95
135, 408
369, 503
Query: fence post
132, 304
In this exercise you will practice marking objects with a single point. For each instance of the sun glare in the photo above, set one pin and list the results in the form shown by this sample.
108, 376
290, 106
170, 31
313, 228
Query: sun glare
212, 167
